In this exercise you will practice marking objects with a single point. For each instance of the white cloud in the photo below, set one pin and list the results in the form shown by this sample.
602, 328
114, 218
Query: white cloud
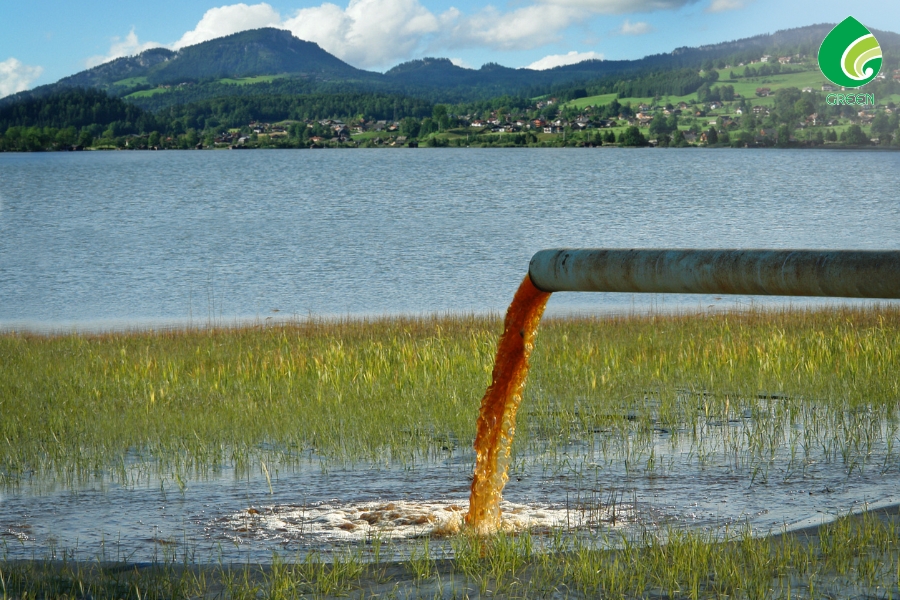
723, 5
121, 47
215, 23
378, 33
639, 28
368, 33
521, 29
461, 63
623, 6
16, 77
558, 60
225, 20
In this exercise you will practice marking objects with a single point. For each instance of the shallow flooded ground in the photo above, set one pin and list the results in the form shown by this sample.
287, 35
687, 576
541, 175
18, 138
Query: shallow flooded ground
655, 456
599, 492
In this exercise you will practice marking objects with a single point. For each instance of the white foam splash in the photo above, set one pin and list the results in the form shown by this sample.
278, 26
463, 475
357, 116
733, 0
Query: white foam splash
402, 520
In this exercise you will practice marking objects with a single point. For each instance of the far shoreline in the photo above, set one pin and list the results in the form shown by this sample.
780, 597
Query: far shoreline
621, 311
828, 147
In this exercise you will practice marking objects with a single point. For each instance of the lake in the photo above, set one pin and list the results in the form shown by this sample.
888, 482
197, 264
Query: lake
119, 240
98, 240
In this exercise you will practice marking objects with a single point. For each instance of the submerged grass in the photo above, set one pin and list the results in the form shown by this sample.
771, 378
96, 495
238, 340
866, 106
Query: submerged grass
184, 403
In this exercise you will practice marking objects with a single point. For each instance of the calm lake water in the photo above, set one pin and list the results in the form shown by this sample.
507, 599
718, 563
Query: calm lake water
131, 239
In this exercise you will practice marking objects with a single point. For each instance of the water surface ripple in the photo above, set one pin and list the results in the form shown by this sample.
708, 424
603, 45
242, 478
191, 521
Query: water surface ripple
138, 238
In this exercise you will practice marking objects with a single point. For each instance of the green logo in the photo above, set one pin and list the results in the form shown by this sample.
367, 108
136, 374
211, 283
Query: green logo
850, 55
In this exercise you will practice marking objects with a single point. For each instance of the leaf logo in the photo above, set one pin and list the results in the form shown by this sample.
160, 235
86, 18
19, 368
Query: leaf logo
850, 55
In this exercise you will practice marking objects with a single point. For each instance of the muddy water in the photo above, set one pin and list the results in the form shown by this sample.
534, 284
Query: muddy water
497, 416
669, 481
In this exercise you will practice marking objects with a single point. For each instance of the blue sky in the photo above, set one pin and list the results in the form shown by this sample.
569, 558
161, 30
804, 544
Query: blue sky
42, 41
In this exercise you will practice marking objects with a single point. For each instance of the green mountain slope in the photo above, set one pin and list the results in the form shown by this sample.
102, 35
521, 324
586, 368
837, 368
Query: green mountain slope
258, 52
440, 73
103, 76
155, 79
265, 51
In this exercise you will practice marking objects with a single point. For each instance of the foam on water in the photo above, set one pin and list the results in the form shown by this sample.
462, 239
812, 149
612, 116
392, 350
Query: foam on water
401, 519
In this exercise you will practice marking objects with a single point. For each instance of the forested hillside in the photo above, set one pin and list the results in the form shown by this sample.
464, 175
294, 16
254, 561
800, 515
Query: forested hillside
79, 117
272, 61
267, 88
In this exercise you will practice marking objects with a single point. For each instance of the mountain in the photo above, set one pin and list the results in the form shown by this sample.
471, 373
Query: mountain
285, 64
258, 52
802, 40
265, 51
118, 69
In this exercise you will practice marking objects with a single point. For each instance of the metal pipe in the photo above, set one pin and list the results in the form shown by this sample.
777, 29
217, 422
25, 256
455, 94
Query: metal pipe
841, 273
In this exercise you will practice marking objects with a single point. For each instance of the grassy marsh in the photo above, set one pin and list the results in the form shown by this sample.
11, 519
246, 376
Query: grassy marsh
806, 386
187, 402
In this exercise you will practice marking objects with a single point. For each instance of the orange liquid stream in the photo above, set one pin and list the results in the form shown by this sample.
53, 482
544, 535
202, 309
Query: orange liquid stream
497, 418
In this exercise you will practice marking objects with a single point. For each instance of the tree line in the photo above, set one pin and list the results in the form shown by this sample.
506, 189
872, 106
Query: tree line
80, 117
87, 117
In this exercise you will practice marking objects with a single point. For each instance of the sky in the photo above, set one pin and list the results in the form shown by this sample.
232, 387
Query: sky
42, 41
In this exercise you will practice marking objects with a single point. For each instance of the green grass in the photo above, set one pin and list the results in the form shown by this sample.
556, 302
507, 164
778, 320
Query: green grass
745, 87
131, 81
186, 402
591, 101
251, 80
79, 405
148, 93
227, 80
190, 398
370, 135
634, 101
649, 100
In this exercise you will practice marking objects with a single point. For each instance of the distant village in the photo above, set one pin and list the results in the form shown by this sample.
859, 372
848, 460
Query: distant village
755, 107
553, 121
